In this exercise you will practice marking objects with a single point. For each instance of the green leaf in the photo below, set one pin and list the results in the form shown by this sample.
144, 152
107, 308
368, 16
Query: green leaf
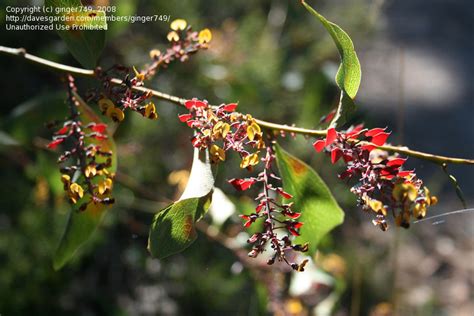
349, 74
320, 212
84, 44
173, 228
82, 224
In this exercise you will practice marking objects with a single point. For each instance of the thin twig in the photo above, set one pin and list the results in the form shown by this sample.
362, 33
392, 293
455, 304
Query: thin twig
21, 52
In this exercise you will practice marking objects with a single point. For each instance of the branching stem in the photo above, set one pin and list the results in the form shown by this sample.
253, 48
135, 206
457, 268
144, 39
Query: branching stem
21, 52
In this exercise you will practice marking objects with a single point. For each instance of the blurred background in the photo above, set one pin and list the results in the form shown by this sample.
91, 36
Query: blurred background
278, 62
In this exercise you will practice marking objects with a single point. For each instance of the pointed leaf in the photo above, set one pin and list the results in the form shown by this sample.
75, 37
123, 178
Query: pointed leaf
82, 224
349, 74
84, 44
173, 228
320, 212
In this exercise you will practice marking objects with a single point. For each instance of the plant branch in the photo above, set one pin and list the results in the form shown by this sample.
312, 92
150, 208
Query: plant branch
21, 52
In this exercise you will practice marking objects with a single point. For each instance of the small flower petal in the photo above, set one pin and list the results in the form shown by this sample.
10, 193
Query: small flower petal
230, 107
99, 128
196, 103
380, 138
185, 117
336, 153
374, 131
55, 143
178, 25
242, 184
331, 136
205, 36
172, 36
319, 145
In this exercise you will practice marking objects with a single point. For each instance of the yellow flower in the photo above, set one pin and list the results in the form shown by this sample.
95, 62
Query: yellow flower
105, 104
254, 131
138, 74
430, 200
103, 171
206, 132
419, 211
172, 36
75, 193
105, 186
155, 53
217, 153
65, 179
178, 25
404, 191
115, 114
420, 208
234, 117
375, 205
90, 171
225, 130
150, 111
249, 160
220, 130
205, 36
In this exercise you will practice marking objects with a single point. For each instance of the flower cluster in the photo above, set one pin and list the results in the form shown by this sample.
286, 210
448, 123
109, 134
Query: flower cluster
84, 166
383, 186
219, 129
114, 99
184, 42
273, 215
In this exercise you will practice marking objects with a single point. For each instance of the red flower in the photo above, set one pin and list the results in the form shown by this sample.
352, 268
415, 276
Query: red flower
330, 138
242, 184
406, 173
298, 225
396, 162
293, 226
336, 153
374, 131
230, 107
290, 214
369, 148
63, 130
100, 137
293, 232
260, 206
196, 103
284, 194
55, 143
249, 219
319, 145
354, 133
185, 117
377, 136
99, 128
